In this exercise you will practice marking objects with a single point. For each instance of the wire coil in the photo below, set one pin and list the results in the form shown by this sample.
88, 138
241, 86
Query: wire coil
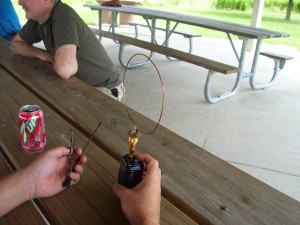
163, 94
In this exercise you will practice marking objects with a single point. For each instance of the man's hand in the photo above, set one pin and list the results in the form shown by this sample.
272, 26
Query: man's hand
141, 205
41, 178
49, 170
20, 47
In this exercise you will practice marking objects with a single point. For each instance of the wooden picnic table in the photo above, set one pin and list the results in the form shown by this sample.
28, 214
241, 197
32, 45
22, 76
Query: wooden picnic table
197, 187
243, 32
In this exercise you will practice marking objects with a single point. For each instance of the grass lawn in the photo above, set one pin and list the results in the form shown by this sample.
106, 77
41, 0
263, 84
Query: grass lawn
271, 21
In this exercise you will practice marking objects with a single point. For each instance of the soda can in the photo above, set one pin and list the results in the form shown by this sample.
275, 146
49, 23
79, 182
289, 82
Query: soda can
32, 128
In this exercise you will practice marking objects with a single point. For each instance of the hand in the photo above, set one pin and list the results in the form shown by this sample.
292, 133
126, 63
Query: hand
44, 55
19, 46
49, 170
141, 205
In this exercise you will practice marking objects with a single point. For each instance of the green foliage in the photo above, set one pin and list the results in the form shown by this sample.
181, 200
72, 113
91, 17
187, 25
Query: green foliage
184, 3
297, 7
244, 5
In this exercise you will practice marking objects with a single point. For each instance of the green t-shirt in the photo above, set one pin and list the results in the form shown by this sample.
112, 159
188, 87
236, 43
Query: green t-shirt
65, 26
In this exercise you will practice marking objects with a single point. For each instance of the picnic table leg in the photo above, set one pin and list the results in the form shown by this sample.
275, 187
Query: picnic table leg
207, 89
151, 28
278, 65
100, 22
153, 25
268, 84
168, 34
132, 65
113, 25
219, 98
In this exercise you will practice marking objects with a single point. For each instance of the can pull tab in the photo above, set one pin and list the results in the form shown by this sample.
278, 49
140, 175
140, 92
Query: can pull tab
133, 138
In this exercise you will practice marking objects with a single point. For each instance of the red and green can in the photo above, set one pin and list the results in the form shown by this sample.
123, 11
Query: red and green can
32, 128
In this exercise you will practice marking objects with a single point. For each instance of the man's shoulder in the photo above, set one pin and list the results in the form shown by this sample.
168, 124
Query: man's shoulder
65, 15
63, 9
31, 24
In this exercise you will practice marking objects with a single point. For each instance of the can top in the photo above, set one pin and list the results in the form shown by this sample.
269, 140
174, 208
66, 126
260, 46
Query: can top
29, 108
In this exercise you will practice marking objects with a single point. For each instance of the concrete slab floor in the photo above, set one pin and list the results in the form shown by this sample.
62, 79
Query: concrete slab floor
256, 131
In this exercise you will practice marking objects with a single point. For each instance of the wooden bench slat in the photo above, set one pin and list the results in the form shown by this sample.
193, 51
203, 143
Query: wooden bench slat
195, 181
193, 59
91, 201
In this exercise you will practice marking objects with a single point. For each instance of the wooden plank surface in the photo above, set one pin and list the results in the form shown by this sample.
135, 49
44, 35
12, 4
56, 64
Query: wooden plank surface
91, 201
201, 185
218, 25
194, 59
25, 214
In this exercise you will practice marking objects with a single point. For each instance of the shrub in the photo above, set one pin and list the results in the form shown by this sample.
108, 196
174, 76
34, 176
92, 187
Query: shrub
248, 4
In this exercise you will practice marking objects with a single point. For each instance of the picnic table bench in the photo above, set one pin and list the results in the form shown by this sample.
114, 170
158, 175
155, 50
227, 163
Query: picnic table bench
212, 65
242, 31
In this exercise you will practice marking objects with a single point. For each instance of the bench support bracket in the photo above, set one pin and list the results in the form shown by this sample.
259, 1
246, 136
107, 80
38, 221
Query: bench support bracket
239, 76
270, 83
279, 62
216, 99
132, 65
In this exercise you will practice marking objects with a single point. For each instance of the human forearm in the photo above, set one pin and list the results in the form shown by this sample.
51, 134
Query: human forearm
63, 66
15, 189
24, 49
65, 63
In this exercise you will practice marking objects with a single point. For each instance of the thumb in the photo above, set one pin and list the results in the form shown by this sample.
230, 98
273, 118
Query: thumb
118, 189
60, 151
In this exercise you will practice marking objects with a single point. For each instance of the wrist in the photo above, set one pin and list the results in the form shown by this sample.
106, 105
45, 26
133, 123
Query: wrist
146, 221
28, 183
151, 222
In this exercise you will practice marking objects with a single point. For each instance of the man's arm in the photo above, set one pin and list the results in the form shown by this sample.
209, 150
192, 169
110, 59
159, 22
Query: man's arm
64, 61
20, 47
43, 177
14, 190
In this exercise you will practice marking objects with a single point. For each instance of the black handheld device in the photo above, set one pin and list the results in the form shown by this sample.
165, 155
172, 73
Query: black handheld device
130, 171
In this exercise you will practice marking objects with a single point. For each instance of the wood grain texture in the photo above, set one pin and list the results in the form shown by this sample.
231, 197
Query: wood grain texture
91, 201
206, 188
187, 57
212, 24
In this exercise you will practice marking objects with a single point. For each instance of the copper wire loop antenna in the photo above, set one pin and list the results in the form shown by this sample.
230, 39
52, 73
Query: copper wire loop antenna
162, 89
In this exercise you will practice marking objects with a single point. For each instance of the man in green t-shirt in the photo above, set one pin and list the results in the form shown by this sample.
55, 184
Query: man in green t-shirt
70, 45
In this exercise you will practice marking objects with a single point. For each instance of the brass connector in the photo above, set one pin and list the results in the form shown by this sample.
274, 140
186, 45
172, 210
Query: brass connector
133, 140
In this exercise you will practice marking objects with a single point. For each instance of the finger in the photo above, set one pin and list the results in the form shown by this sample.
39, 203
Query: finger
75, 177
59, 151
78, 169
151, 164
145, 158
82, 160
118, 189
78, 151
